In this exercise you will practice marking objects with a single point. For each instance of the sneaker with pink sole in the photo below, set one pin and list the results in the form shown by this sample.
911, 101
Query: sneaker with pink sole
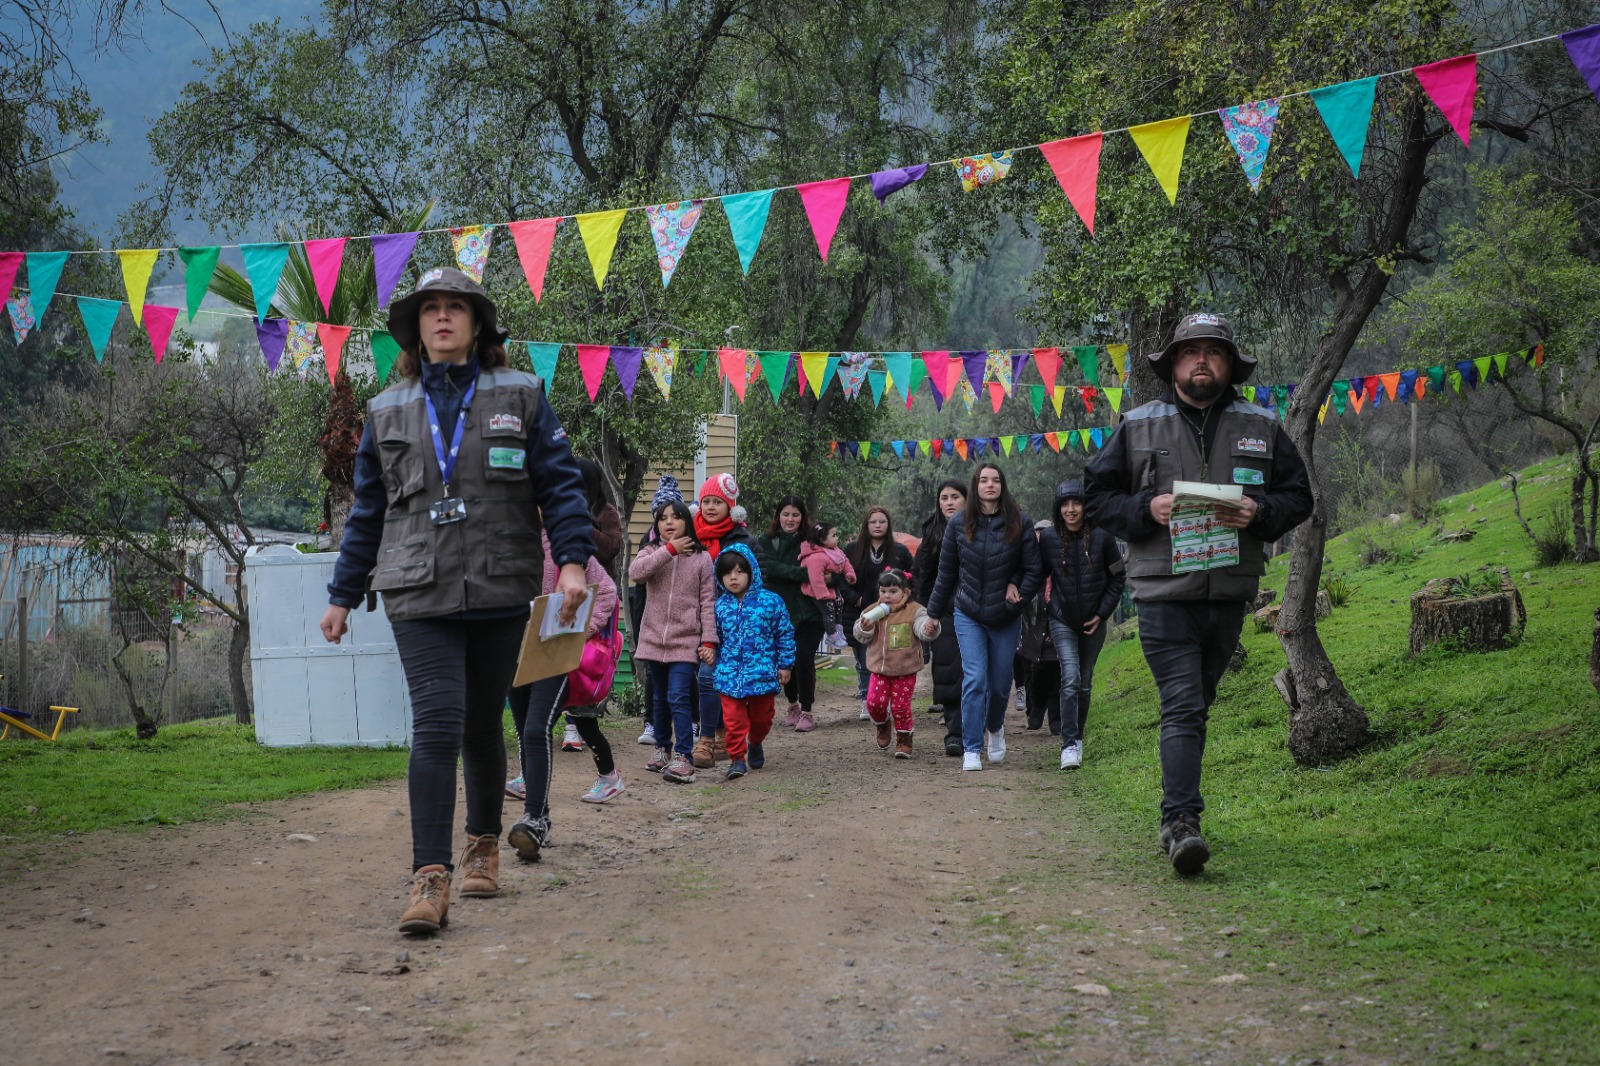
605, 787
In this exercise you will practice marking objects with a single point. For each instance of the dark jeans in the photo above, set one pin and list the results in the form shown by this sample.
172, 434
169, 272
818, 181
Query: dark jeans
802, 686
710, 700
1188, 644
1076, 655
672, 712
534, 708
457, 673
863, 675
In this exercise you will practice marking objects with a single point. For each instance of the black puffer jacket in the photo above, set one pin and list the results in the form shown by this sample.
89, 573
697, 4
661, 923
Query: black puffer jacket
944, 654
973, 575
863, 592
1086, 574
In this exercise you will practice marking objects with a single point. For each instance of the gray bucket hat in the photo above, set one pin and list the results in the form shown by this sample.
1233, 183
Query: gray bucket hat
403, 312
1203, 326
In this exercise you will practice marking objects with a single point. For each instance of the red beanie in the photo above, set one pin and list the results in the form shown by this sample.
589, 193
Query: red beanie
721, 485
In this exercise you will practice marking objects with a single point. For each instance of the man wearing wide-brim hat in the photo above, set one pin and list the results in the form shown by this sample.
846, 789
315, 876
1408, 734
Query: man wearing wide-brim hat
1199, 430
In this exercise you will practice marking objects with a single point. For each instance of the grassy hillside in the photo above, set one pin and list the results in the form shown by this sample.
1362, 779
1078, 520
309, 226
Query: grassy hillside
1449, 872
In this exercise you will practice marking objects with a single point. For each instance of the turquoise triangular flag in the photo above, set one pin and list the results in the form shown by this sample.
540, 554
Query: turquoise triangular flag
899, 447
263, 263
898, 364
1347, 110
98, 318
747, 218
828, 373
875, 379
44, 270
543, 356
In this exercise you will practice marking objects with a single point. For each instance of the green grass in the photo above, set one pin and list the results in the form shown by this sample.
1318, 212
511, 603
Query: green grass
1450, 867
106, 779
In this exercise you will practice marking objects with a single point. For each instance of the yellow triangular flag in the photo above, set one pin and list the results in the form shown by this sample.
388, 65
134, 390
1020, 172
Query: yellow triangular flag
1056, 396
599, 230
1115, 396
137, 263
815, 365
1119, 358
1323, 413
1162, 145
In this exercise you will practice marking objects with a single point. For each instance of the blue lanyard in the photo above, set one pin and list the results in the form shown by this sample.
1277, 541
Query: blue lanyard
447, 460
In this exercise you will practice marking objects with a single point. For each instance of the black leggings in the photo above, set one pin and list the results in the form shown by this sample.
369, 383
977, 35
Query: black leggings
549, 694
802, 686
457, 673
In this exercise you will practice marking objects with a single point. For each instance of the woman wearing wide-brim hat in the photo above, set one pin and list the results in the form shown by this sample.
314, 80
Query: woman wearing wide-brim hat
461, 462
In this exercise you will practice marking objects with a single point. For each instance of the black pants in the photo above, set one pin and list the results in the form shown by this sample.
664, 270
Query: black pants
802, 686
588, 727
457, 673
1188, 644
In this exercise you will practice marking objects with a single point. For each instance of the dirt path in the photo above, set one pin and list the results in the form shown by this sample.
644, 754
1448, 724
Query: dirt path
835, 907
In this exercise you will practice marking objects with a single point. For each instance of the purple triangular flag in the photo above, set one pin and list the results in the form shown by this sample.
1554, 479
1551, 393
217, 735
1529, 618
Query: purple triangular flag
885, 182
272, 333
1019, 359
627, 361
390, 254
974, 362
1584, 48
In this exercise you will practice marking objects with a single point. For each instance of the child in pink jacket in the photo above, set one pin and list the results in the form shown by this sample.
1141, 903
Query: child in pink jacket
822, 557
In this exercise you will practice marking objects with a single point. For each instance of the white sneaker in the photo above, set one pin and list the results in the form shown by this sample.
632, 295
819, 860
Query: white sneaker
570, 740
605, 787
970, 761
648, 737
1021, 702
997, 745
1072, 755
864, 716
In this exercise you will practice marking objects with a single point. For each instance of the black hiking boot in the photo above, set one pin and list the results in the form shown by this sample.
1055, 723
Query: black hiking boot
1180, 838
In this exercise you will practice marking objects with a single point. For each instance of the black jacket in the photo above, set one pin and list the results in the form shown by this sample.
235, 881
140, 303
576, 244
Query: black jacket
863, 592
973, 575
944, 654
1086, 575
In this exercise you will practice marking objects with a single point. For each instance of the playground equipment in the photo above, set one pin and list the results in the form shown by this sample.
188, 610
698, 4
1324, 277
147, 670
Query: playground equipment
14, 719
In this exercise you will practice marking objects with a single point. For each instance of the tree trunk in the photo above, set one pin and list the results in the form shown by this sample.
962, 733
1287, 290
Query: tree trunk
1594, 654
238, 653
144, 723
1583, 539
1478, 623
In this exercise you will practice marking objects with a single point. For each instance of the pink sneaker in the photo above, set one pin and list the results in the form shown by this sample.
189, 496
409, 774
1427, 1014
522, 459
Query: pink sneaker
793, 717
805, 723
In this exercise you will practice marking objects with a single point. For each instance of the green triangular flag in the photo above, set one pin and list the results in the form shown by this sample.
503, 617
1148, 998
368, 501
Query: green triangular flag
919, 374
1347, 110
925, 447
1435, 378
1036, 398
774, 371
385, 349
1500, 363
1115, 396
198, 266
1005, 444
1083, 438
1089, 362
1483, 362
700, 364
1455, 379
544, 355
1340, 397
876, 378
98, 318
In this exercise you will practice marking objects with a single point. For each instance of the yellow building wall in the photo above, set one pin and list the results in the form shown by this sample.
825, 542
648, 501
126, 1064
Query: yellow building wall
720, 455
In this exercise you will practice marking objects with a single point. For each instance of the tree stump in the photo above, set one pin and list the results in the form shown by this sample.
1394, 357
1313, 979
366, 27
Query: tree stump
1478, 623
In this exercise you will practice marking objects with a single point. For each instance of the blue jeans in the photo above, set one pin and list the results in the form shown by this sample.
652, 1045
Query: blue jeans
1076, 653
670, 687
986, 653
710, 700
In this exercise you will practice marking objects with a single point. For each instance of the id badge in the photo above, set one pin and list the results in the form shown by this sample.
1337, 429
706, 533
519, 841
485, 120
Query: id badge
448, 510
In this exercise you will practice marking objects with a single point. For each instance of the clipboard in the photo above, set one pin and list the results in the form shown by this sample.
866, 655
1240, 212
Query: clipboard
540, 659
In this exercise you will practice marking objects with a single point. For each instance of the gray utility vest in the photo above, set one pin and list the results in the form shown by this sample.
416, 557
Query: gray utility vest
491, 559
1162, 449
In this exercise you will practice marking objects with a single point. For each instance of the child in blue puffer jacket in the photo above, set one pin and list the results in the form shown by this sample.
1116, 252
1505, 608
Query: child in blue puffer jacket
754, 659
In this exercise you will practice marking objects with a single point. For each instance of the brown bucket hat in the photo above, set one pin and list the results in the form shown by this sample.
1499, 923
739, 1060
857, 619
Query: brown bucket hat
1203, 326
403, 312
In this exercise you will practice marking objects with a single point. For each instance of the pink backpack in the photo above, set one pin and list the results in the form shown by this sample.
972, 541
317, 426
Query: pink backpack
590, 683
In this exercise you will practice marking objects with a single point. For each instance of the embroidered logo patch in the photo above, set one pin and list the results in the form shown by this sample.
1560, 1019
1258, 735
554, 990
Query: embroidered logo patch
900, 636
1252, 444
511, 422
507, 458
558, 436
1243, 475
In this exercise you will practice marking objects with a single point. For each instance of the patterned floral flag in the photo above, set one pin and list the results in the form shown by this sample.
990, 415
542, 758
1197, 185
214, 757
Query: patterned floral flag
968, 393
978, 171
671, 226
472, 249
997, 367
1249, 128
302, 343
661, 363
20, 308
852, 373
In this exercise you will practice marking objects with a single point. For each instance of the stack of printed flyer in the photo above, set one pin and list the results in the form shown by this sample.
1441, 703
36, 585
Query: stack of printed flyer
1199, 539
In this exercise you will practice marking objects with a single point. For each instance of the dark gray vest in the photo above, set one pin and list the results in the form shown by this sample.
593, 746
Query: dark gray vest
1163, 449
493, 558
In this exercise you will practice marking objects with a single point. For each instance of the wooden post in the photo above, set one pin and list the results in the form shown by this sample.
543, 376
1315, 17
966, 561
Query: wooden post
23, 696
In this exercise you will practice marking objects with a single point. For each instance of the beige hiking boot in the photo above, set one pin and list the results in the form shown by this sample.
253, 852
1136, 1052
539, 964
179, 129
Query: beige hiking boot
701, 755
719, 746
902, 744
885, 733
480, 867
430, 901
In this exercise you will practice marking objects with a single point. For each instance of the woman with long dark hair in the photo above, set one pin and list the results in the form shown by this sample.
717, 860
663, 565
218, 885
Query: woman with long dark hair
872, 552
1086, 579
944, 654
988, 569
784, 575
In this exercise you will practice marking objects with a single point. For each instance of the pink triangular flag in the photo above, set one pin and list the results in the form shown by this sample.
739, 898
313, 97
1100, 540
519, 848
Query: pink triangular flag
1048, 360
1452, 84
533, 239
592, 361
824, 203
10, 263
1076, 163
997, 394
158, 323
324, 258
733, 362
332, 338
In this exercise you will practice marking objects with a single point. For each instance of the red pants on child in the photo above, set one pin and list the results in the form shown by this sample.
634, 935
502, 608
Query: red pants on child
891, 695
748, 720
